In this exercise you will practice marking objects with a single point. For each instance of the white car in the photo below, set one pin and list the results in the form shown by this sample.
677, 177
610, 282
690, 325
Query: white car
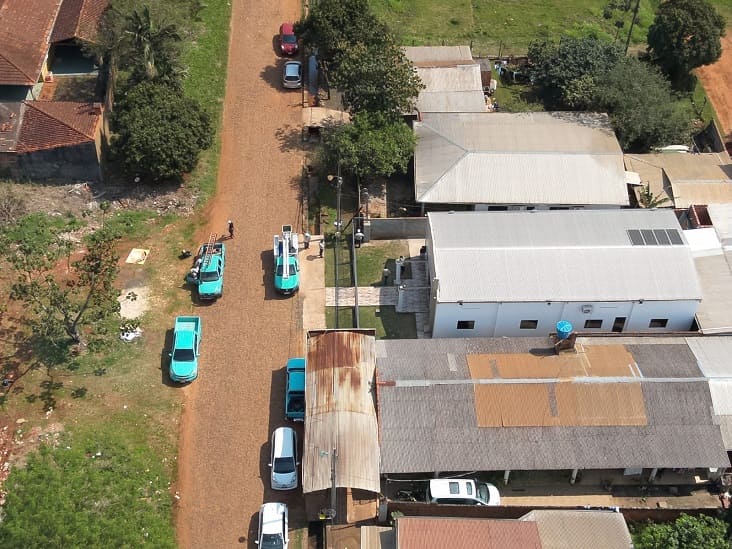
460, 491
283, 461
272, 526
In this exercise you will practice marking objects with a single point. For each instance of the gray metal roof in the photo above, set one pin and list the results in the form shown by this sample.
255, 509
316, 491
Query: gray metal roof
340, 412
559, 256
427, 416
518, 158
451, 89
438, 56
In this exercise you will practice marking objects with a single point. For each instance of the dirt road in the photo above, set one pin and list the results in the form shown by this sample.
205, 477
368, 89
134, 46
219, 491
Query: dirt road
717, 80
237, 400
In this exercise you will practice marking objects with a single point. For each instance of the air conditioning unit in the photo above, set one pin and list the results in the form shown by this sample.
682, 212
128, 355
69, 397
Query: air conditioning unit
586, 309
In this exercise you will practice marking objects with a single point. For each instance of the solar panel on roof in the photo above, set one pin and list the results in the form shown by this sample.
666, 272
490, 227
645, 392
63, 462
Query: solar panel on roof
674, 236
662, 237
635, 237
649, 237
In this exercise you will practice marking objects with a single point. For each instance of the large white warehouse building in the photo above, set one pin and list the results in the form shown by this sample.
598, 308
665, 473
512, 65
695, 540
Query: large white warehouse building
519, 273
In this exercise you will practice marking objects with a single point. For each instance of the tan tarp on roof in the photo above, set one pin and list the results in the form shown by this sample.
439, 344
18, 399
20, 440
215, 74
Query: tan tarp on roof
559, 400
591, 360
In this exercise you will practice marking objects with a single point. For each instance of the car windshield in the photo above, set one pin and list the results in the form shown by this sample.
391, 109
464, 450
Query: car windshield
284, 465
272, 541
289, 39
183, 355
280, 270
483, 494
211, 276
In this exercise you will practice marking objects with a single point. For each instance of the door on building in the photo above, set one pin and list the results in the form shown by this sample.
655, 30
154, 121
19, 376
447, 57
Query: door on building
619, 324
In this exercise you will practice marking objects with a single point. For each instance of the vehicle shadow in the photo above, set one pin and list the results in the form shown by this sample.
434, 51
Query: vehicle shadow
165, 361
251, 537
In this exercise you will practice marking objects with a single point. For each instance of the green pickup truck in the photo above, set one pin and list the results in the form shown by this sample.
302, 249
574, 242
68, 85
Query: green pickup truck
185, 351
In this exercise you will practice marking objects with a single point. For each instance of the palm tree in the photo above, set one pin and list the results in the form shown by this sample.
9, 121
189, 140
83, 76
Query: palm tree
647, 199
152, 45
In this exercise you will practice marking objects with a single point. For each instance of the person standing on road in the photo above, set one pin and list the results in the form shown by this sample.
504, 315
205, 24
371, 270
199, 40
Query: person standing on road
321, 246
306, 239
231, 228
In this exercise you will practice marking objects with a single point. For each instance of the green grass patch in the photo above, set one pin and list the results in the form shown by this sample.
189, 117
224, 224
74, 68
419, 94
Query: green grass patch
206, 82
372, 257
133, 223
96, 487
505, 28
517, 98
387, 323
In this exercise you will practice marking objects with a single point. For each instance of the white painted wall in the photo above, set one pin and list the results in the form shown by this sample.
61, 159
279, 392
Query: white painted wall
504, 319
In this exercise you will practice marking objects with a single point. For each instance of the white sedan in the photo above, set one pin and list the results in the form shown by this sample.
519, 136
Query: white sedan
272, 526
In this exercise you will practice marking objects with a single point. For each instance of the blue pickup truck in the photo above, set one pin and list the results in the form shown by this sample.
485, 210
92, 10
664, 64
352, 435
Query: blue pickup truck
210, 279
295, 390
185, 351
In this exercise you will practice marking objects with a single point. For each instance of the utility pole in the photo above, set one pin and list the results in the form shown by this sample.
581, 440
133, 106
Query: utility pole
333, 502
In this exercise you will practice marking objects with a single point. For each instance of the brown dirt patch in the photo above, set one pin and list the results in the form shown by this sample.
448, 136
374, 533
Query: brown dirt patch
717, 81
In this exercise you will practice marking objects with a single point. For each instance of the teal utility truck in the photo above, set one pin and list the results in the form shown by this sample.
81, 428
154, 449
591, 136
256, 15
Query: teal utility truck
286, 263
295, 390
186, 345
207, 273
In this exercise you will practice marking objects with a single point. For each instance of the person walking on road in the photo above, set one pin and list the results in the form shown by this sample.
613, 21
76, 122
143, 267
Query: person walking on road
321, 246
231, 228
306, 239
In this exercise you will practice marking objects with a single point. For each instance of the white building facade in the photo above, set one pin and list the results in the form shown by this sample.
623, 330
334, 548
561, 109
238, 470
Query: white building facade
519, 273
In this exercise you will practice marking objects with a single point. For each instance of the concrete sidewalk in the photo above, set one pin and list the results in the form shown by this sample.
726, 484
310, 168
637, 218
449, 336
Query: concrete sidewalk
312, 286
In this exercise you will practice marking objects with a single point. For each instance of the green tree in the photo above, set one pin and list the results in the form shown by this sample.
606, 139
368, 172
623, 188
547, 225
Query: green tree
372, 145
686, 532
647, 199
566, 74
151, 48
642, 109
377, 78
62, 308
685, 34
334, 26
160, 133
91, 490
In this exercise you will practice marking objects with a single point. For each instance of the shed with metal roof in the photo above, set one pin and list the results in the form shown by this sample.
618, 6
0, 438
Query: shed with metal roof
341, 432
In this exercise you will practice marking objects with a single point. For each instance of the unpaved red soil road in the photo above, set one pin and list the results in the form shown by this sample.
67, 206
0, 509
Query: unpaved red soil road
717, 80
248, 335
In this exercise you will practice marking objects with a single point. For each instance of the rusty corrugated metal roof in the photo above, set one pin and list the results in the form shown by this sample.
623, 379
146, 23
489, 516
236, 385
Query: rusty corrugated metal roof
340, 411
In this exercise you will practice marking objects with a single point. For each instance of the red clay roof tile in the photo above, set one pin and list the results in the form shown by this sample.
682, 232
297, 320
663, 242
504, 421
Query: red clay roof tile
78, 19
465, 533
25, 28
52, 124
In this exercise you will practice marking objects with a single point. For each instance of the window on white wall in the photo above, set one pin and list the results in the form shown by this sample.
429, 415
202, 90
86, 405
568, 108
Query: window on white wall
466, 324
529, 324
658, 323
589, 324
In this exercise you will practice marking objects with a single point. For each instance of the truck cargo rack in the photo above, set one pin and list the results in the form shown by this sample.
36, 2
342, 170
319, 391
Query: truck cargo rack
208, 250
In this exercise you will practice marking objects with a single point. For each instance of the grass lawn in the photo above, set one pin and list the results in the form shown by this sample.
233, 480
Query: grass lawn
502, 27
385, 320
206, 83
507, 28
517, 98
371, 259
